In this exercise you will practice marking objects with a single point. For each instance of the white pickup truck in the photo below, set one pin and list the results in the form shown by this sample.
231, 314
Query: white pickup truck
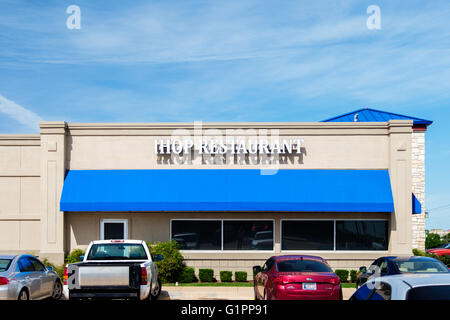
118, 269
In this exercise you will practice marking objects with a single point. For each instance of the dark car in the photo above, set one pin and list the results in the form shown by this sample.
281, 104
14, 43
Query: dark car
386, 266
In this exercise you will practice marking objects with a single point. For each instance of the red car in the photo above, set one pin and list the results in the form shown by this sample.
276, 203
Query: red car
296, 278
444, 250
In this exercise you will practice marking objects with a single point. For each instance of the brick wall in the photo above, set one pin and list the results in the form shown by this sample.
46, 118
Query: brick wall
418, 186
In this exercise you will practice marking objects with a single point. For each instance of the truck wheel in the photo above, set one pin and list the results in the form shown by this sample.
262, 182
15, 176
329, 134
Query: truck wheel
154, 295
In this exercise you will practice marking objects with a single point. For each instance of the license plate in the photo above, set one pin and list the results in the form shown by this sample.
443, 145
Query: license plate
309, 286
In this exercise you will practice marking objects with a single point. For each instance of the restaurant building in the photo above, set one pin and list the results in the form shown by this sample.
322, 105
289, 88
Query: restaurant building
349, 189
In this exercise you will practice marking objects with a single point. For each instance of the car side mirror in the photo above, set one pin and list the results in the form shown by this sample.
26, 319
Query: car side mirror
362, 269
80, 258
158, 257
256, 269
50, 268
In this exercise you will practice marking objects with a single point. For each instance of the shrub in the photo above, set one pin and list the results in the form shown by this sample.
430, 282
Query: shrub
172, 265
74, 256
187, 275
353, 275
433, 240
240, 276
206, 275
226, 276
342, 274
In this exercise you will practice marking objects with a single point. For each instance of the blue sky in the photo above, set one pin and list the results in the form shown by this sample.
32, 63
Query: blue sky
229, 61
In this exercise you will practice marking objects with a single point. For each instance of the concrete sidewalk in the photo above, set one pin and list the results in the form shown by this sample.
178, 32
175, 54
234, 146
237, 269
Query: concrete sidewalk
218, 293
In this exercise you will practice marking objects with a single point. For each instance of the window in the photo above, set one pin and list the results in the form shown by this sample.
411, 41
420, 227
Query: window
247, 235
223, 234
37, 265
268, 265
304, 265
197, 234
113, 229
382, 292
361, 235
435, 292
307, 235
420, 266
117, 251
4, 264
25, 265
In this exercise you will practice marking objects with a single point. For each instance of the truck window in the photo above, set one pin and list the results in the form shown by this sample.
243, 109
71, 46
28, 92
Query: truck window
117, 251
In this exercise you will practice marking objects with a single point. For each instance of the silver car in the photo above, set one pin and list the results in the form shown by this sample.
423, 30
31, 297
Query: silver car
24, 277
426, 286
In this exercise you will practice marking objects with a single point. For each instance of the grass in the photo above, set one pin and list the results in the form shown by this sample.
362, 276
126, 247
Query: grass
348, 285
211, 284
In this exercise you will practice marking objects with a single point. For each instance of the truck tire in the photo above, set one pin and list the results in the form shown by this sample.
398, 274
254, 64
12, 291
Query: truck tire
155, 296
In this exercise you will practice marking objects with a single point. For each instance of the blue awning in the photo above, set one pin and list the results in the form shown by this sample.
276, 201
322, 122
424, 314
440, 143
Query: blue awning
227, 190
416, 206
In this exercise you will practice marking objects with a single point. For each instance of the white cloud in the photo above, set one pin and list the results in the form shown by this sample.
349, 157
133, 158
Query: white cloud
20, 114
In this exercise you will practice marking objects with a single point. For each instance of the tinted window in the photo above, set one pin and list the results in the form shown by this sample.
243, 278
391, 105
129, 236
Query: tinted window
117, 251
248, 235
197, 234
427, 266
4, 264
307, 235
268, 265
37, 265
25, 265
305, 265
362, 235
113, 230
382, 292
429, 293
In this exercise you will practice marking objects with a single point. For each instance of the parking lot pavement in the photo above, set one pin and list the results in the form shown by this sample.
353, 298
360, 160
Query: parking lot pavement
219, 293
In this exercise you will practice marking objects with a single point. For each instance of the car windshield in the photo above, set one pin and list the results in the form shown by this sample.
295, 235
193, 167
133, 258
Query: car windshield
305, 265
429, 293
4, 264
428, 266
446, 246
117, 251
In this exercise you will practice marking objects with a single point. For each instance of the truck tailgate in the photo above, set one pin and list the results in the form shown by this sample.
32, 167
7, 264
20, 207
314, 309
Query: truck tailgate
90, 276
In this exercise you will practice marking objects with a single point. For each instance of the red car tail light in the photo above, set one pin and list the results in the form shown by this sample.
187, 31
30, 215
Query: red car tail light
334, 281
65, 276
143, 276
3, 281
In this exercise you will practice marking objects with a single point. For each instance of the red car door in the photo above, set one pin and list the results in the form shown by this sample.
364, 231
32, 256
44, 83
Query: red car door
267, 279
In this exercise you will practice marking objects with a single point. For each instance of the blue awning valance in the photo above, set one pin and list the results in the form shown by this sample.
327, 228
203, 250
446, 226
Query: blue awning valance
227, 190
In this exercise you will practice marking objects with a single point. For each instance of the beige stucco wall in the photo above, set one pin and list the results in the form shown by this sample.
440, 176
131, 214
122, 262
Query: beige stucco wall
39, 162
19, 193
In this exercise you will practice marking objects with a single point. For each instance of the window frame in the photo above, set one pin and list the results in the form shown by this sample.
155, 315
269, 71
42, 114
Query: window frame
222, 234
334, 240
123, 221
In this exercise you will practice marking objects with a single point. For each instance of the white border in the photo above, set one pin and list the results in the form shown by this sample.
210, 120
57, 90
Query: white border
221, 223
334, 240
123, 221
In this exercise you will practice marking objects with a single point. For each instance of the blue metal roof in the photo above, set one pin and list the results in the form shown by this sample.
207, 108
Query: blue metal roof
227, 190
372, 115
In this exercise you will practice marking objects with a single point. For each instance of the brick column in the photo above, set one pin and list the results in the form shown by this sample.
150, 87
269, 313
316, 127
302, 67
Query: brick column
418, 187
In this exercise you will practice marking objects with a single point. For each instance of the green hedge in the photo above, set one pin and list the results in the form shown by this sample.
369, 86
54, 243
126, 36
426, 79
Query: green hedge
342, 274
353, 275
240, 276
187, 275
74, 256
226, 276
206, 275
